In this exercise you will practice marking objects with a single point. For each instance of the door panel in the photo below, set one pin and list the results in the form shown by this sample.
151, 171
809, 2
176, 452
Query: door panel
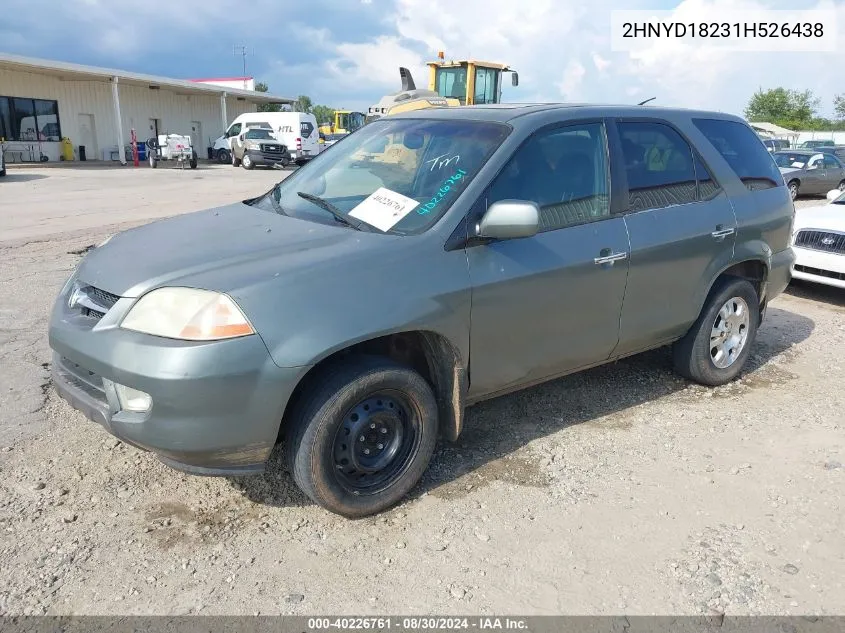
682, 231
673, 253
542, 306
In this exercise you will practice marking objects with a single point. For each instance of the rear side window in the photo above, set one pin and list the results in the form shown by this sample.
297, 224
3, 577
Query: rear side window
659, 164
743, 151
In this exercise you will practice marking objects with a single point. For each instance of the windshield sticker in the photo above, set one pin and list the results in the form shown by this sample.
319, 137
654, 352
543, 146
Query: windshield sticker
444, 160
384, 208
448, 184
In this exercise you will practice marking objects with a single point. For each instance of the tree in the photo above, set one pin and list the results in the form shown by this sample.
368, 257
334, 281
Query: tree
839, 106
787, 108
323, 113
304, 103
260, 86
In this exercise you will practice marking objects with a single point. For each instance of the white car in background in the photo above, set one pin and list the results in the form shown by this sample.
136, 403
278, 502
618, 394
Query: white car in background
818, 239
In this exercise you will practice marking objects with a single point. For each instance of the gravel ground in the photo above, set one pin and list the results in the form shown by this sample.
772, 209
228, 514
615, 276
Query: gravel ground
622, 489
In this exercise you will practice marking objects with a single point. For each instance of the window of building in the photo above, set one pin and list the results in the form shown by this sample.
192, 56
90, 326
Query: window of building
29, 119
743, 151
563, 170
659, 166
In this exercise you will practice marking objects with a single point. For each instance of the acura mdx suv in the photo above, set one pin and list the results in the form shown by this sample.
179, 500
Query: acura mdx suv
429, 261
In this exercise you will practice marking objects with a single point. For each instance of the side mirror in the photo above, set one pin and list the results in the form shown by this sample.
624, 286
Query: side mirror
510, 219
833, 194
514, 79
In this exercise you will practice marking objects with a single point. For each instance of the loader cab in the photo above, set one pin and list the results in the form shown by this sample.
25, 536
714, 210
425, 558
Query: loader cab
471, 82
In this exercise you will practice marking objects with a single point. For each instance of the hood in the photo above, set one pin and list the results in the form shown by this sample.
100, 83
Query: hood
830, 217
231, 245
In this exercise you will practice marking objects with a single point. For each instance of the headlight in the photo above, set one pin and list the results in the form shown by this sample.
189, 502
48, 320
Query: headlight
187, 314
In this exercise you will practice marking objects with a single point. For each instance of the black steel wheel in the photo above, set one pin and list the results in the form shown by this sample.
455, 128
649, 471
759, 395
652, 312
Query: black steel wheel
375, 443
362, 435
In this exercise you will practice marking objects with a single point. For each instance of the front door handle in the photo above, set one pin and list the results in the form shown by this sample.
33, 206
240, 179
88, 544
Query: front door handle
609, 259
720, 233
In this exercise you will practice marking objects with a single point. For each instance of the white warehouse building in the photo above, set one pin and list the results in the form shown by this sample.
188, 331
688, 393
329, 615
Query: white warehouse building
42, 102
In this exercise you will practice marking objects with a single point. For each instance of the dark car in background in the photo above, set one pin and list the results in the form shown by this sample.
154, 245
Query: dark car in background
810, 171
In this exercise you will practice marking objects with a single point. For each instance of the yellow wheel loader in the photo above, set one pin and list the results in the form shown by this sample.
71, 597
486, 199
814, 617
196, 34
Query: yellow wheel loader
345, 122
450, 84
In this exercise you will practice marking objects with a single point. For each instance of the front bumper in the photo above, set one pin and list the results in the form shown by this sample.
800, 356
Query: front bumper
216, 407
269, 158
819, 267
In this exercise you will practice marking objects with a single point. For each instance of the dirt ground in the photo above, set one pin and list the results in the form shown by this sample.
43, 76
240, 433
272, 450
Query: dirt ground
622, 489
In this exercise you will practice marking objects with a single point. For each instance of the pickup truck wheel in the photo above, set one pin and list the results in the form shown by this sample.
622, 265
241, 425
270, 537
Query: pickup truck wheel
362, 436
235, 161
717, 346
793, 189
246, 161
153, 162
841, 186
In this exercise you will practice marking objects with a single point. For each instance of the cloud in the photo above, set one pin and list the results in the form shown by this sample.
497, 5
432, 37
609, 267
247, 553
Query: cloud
600, 62
570, 85
348, 53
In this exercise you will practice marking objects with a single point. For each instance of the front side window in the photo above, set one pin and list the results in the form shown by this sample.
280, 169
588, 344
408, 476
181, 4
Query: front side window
451, 83
741, 148
832, 162
234, 130
563, 170
425, 163
659, 166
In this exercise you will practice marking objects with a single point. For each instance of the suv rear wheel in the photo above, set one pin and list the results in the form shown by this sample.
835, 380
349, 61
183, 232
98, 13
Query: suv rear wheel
717, 346
362, 435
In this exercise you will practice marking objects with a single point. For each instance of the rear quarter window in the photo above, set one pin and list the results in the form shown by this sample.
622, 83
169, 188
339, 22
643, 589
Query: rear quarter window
743, 151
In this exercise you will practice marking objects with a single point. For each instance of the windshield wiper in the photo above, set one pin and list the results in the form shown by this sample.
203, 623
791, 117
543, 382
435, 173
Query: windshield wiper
337, 213
276, 206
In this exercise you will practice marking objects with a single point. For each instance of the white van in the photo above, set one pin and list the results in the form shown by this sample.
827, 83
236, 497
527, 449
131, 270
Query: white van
297, 130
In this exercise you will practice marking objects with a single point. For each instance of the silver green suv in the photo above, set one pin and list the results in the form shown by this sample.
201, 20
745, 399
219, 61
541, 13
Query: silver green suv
427, 262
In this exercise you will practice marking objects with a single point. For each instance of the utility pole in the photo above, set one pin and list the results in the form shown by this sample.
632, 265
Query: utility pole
242, 50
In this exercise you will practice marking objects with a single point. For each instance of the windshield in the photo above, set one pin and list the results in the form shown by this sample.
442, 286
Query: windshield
394, 175
788, 159
258, 134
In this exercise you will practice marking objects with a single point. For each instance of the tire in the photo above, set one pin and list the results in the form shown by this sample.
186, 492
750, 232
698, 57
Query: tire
793, 189
697, 355
235, 161
223, 156
2, 172
194, 161
153, 162
841, 186
246, 162
370, 398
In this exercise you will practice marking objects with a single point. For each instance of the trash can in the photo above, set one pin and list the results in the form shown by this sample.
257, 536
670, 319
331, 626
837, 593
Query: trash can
81, 152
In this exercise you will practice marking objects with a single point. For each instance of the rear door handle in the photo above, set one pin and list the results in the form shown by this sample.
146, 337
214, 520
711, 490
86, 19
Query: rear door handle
721, 234
609, 259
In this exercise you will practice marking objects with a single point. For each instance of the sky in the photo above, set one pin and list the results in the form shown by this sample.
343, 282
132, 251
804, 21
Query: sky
346, 53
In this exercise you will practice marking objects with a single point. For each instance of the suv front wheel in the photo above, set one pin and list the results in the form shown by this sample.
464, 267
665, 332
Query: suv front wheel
717, 346
362, 435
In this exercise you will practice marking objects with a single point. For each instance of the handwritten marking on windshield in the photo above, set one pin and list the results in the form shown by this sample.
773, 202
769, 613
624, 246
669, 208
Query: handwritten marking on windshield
441, 193
444, 160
